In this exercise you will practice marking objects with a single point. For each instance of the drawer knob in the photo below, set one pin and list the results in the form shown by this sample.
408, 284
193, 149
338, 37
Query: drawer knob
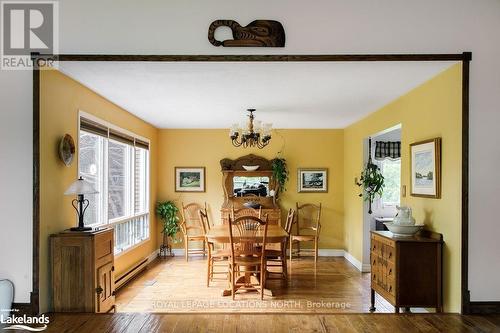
98, 290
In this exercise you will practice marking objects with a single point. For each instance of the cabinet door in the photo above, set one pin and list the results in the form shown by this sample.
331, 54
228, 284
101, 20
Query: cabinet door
105, 291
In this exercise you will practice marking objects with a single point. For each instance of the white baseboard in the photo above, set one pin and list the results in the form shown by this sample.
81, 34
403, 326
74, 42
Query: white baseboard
330, 253
153, 255
321, 252
364, 268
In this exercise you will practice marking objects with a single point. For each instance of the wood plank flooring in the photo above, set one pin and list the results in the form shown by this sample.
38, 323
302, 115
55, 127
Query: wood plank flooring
177, 286
184, 323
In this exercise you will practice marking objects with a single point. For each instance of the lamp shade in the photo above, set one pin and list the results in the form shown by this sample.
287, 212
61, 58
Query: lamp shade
80, 186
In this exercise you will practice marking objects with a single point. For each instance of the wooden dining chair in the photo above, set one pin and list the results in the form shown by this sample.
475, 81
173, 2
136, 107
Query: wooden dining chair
193, 228
248, 238
277, 258
256, 212
308, 229
215, 257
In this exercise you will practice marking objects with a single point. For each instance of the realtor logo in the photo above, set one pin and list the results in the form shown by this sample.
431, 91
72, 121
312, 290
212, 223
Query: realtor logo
28, 27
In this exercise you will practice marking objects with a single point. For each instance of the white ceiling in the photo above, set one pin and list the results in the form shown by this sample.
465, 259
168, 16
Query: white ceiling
215, 95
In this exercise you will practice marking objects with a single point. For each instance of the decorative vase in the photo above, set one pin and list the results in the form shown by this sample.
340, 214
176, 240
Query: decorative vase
6, 297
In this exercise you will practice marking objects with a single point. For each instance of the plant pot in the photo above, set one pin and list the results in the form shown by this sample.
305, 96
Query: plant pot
6, 297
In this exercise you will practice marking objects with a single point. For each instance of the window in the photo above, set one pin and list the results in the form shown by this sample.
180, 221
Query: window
119, 179
391, 170
118, 166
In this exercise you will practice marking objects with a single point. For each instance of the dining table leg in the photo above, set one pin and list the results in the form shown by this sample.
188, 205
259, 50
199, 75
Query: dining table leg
247, 280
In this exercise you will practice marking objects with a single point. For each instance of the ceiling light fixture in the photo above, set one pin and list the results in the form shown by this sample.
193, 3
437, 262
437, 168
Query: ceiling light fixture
251, 135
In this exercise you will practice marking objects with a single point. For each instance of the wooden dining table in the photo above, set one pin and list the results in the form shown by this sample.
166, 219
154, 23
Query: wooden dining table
275, 235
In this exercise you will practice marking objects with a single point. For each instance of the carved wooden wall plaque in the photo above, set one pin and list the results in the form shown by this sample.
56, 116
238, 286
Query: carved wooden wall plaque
259, 33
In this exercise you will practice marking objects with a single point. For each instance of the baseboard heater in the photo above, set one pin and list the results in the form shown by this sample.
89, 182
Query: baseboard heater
126, 277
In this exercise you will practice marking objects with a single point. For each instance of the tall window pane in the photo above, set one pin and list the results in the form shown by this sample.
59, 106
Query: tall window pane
119, 179
91, 169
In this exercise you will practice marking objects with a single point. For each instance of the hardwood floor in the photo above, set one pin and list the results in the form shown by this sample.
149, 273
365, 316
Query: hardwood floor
177, 286
183, 323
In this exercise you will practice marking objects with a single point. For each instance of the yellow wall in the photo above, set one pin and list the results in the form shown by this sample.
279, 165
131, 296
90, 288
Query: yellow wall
431, 110
301, 148
61, 98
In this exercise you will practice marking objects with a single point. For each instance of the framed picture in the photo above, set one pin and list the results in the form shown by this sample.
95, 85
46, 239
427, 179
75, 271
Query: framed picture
313, 180
425, 168
189, 179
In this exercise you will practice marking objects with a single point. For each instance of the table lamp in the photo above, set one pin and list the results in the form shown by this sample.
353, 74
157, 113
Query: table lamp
80, 187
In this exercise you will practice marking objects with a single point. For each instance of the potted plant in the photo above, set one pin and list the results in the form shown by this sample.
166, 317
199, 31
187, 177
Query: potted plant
280, 174
167, 211
372, 182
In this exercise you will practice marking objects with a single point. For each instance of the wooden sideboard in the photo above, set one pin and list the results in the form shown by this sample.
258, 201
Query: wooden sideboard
83, 271
235, 168
407, 272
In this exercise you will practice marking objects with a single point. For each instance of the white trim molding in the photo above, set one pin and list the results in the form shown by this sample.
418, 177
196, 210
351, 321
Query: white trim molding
364, 268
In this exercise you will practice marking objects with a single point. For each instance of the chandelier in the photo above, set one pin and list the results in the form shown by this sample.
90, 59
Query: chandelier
252, 135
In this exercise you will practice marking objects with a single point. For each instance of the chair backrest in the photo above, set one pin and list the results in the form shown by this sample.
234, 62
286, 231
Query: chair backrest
308, 219
235, 213
290, 220
204, 219
191, 222
248, 236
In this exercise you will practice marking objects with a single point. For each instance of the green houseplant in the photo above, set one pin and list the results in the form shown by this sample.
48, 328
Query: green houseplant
280, 173
168, 213
372, 182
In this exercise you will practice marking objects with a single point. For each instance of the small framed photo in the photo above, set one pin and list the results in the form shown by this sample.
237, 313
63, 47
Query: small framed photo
425, 168
312, 180
189, 179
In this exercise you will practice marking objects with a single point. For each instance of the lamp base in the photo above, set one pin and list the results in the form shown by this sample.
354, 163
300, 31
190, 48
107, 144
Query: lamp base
81, 229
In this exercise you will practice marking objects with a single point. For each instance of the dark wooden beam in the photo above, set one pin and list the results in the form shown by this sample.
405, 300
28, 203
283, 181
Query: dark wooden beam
35, 304
257, 58
465, 184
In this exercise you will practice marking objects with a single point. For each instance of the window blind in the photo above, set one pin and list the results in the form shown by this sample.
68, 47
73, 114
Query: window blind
94, 127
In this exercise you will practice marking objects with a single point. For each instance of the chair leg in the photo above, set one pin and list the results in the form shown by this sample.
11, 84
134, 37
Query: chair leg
262, 279
186, 247
209, 263
291, 249
232, 283
283, 259
316, 250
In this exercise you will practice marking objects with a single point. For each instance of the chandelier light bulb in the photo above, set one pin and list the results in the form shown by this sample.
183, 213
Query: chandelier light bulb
253, 134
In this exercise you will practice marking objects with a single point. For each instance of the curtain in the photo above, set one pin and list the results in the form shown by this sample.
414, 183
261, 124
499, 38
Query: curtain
387, 149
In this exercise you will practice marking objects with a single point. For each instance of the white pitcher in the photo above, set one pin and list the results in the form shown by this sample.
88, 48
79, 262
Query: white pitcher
404, 216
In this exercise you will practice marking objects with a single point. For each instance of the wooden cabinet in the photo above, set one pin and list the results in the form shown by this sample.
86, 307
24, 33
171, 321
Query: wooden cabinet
235, 168
407, 271
83, 271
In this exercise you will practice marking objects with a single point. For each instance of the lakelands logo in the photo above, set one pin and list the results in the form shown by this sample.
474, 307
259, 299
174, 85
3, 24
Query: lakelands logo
28, 323
28, 27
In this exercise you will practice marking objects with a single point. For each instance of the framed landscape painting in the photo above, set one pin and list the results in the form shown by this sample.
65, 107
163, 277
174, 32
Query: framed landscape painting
425, 164
313, 180
189, 179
